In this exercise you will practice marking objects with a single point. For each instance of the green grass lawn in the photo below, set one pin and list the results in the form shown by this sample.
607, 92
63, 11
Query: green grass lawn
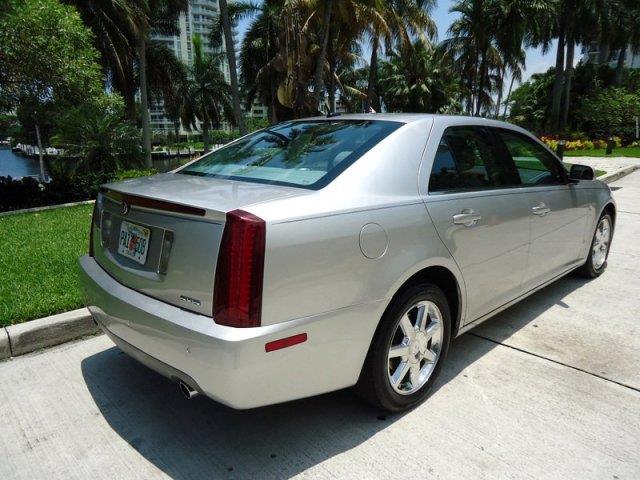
39, 262
617, 152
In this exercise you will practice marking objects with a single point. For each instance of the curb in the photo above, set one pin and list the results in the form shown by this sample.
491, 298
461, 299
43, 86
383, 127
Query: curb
47, 207
46, 332
617, 175
5, 348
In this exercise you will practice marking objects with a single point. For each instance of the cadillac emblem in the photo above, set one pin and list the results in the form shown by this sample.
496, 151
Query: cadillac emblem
125, 208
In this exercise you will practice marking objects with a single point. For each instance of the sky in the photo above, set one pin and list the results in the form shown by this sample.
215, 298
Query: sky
536, 61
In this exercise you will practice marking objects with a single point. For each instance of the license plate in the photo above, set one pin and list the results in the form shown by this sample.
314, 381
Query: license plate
134, 242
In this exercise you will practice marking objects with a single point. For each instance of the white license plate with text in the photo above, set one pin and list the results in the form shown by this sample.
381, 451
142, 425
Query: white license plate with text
133, 242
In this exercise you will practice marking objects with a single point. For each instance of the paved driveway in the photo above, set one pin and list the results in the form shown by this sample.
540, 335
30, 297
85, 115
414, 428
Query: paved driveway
548, 389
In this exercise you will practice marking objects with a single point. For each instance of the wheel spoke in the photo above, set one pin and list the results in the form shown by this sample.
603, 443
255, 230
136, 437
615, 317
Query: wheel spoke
415, 375
430, 356
432, 329
399, 351
407, 328
421, 318
400, 373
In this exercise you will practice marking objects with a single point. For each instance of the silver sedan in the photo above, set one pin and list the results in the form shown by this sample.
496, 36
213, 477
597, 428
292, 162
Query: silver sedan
327, 253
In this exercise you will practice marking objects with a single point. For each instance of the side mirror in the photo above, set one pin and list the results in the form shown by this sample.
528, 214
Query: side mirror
581, 172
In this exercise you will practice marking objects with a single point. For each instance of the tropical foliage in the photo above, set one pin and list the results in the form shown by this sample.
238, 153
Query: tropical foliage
46, 66
97, 136
599, 107
304, 57
206, 95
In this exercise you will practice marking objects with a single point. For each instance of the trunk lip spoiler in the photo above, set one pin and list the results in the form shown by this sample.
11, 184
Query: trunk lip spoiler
129, 200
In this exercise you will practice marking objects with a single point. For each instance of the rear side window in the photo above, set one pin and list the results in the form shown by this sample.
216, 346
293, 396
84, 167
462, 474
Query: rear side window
467, 159
308, 154
535, 165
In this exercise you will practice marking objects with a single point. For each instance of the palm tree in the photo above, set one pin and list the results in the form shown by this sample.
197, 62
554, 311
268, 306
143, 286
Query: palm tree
318, 77
418, 78
231, 59
206, 95
116, 26
473, 52
518, 24
162, 16
402, 21
121, 30
620, 29
576, 21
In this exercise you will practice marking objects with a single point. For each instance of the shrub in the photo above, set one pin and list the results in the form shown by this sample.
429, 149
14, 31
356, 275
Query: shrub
610, 111
29, 192
222, 137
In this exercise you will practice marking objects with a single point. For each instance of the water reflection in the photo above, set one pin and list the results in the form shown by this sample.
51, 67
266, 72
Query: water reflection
16, 166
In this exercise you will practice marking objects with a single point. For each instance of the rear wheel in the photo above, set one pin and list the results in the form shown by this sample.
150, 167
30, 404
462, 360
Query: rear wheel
408, 349
597, 259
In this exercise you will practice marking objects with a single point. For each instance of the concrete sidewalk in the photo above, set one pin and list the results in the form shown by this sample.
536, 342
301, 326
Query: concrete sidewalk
549, 389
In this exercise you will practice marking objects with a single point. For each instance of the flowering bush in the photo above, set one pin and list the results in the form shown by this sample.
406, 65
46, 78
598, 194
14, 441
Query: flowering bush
579, 143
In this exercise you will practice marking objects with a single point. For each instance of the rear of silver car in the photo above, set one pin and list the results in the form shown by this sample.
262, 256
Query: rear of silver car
175, 278
161, 311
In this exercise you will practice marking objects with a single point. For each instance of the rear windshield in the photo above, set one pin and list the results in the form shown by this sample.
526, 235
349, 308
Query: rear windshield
307, 154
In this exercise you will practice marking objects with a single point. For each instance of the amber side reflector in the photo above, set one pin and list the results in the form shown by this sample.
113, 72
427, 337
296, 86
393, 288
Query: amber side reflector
285, 342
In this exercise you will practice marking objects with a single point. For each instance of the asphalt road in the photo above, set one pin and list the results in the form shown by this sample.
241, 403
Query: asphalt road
548, 389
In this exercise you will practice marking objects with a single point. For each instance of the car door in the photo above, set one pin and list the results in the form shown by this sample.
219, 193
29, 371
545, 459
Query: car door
558, 214
479, 215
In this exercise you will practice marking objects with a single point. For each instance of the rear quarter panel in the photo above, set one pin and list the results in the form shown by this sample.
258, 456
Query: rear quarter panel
317, 265
314, 259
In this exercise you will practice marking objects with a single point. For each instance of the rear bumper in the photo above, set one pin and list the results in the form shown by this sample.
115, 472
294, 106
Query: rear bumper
229, 364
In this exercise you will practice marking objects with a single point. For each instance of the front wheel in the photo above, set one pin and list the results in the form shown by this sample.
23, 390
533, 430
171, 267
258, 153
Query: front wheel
596, 261
408, 349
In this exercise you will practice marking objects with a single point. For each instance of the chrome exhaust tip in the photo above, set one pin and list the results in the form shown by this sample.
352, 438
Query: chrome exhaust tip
187, 391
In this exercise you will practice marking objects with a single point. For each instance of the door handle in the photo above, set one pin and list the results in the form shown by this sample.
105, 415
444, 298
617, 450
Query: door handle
541, 209
467, 217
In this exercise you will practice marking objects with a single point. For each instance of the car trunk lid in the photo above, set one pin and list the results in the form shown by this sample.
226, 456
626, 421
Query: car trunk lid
180, 220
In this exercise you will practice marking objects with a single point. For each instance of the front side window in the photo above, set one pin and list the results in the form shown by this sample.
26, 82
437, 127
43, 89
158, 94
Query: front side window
536, 166
468, 160
308, 154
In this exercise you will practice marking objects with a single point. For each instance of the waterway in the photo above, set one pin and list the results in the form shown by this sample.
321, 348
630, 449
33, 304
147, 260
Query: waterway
16, 166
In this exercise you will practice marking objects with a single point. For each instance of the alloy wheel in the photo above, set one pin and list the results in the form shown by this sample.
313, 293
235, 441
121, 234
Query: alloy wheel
601, 241
415, 347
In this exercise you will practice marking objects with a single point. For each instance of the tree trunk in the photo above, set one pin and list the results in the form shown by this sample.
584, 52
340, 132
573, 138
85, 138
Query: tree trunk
506, 103
176, 131
318, 78
40, 155
617, 79
568, 75
332, 93
273, 115
480, 85
372, 95
603, 53
501, 85
556, 96
144, 102
205, 135
233, 71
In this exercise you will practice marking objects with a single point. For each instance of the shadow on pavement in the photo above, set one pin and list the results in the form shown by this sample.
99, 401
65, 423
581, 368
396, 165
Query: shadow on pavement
201, 438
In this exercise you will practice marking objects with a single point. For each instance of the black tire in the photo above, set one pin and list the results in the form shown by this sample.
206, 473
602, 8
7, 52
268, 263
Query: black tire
588, 269
374, 384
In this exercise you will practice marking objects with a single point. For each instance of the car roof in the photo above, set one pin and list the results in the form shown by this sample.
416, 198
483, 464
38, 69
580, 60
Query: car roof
415, 117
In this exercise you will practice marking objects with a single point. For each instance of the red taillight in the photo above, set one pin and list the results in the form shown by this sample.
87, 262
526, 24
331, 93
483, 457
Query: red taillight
237, 290
93, 221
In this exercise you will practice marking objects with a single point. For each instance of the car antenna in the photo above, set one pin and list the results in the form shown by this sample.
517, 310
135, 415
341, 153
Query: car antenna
333, 114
